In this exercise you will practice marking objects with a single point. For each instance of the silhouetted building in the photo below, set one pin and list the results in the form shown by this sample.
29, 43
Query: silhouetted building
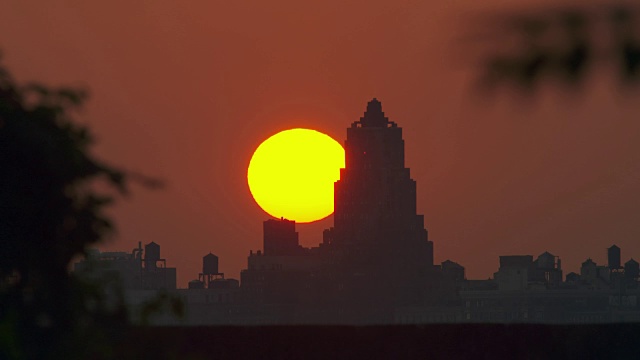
276, 284
125, 271
546, 261
613, 257
547, 271
152, 255
595, 276
514, 272
375, 265
521, 298
128, 269
572, 278
452, 271
520, 272
379, 243
210, 299
588, 270
281, 238
210, 264
376, 256
195, 284
631, 269
375, 216
210, 271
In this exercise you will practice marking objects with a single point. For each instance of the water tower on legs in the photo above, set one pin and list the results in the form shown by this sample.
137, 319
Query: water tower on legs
210, 270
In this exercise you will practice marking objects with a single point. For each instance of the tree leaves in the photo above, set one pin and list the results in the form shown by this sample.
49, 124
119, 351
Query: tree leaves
561, 43
49, 214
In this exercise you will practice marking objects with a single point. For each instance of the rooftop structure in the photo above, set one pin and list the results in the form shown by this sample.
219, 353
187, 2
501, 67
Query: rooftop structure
140, 269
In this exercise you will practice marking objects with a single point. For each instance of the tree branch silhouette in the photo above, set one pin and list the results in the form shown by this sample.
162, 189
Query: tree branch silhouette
49, 214
561, 43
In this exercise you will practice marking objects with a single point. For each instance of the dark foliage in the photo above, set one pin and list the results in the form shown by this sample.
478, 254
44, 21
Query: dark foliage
562, 43
49, 213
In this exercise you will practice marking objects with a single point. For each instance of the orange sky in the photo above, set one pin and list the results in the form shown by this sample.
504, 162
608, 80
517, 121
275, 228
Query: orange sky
186, 91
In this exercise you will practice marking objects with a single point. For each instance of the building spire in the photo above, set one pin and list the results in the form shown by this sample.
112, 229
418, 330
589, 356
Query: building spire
374, 117
374, 106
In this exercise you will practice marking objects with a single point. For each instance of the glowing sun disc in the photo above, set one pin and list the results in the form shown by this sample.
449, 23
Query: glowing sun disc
291, 174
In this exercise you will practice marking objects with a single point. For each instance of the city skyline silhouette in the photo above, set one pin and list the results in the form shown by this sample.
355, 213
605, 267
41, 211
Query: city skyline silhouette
488, 207
375, 264
186, 94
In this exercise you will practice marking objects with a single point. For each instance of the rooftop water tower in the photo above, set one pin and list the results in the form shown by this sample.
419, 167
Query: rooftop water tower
632, 269
613, 257
210, 264
210, 269
152, 255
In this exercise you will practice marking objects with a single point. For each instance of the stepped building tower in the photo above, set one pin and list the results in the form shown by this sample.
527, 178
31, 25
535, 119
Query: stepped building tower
379, 244
374, 260
375, 198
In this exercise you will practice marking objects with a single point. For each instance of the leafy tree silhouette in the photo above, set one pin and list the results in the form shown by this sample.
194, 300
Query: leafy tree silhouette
49, 214
560, 42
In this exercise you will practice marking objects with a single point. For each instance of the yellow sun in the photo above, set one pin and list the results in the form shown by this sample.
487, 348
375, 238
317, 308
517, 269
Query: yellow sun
291, 174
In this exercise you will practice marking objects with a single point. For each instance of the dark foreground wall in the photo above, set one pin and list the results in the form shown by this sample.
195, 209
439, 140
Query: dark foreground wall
387, 342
